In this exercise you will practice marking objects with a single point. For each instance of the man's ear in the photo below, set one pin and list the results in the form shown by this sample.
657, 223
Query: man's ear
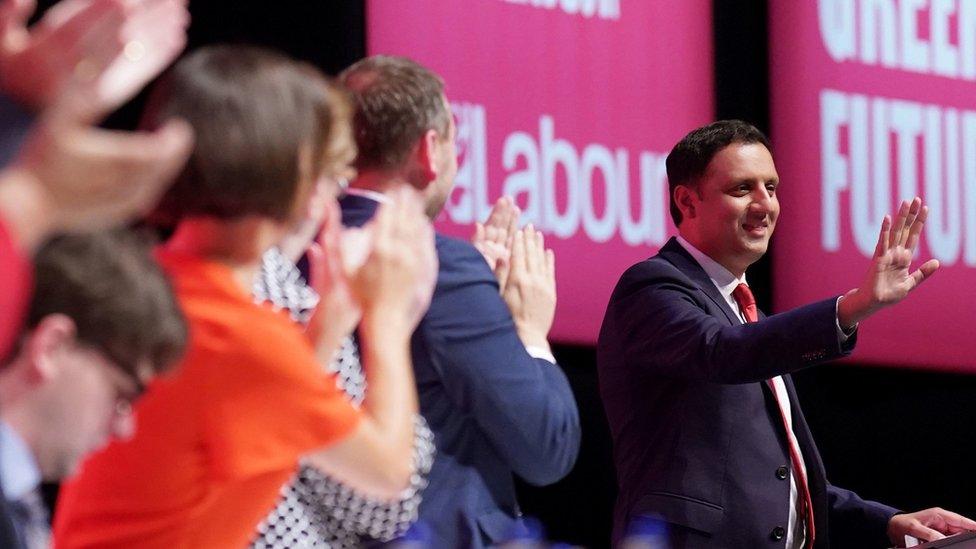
46, 344
685, 198
428, 158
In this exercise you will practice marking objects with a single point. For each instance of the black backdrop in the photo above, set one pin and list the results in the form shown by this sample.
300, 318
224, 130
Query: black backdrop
899, 436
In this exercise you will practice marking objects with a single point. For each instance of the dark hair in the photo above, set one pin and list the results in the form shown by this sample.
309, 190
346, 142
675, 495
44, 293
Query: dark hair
118, 298
252, 111
689, 159
395, 101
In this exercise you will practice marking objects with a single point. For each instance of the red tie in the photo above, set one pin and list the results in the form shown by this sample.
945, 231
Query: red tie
747, 303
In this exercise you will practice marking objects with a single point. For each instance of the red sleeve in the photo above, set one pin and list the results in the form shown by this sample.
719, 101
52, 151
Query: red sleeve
15, 288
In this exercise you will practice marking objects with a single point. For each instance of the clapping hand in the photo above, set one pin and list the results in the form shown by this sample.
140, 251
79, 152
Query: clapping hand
494, 237
531, 289
99, 52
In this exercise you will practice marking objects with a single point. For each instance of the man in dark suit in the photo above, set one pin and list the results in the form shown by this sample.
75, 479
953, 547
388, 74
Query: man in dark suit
489, 387
708, 433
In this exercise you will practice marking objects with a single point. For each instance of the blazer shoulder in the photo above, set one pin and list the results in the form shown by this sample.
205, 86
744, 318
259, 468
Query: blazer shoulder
653, 271
460, 261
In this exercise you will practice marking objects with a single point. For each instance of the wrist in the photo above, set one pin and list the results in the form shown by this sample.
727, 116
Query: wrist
532, 337
852, 308
377, 325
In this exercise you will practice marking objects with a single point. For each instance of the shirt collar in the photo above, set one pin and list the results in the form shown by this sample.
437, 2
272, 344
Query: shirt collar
19, 473
724, 280
366, 193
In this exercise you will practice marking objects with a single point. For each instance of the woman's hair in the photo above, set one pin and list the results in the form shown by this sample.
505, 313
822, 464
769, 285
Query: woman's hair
263, 125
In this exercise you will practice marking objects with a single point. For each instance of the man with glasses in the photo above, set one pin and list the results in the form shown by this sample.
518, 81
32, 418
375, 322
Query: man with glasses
101, 322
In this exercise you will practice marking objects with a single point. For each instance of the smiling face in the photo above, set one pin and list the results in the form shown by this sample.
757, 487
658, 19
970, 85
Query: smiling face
732, 211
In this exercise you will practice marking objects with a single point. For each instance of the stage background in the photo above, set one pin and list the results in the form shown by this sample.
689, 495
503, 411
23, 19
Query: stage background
898, 435
571, 110
872, 103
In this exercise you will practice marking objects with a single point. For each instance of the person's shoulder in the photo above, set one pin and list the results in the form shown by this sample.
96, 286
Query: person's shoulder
654, 268
654, 272
459, 259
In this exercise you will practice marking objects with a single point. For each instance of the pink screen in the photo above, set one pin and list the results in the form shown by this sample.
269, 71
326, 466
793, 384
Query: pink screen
571, 107
874, 102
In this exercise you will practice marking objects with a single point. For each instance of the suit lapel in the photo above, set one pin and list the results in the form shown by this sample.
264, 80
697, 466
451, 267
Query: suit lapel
675, 254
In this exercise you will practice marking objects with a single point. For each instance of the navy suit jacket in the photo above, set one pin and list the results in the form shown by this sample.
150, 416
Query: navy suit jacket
9, 539
698, 437
495, 411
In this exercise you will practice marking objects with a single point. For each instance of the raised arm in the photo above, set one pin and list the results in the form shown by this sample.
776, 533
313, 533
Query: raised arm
393, 284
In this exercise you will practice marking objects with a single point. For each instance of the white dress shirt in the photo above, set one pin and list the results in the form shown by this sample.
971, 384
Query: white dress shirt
726, 283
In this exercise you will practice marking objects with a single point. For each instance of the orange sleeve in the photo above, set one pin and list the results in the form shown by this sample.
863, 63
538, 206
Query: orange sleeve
274, 402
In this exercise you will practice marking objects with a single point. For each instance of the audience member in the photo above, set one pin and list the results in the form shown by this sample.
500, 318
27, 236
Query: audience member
219, 438
489, 387
102, 322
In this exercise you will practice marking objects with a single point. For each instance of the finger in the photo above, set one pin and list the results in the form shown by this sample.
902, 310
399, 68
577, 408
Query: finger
958, 523
551, 265
479, 234
513, 224
14, 15
160, 153
518, 266
532, 261
899, 224
539, 252
134, 168
502, 267
497, 215
925, 271
331, 260
914, 234
496, 235
317, 272
882, 245
920, 531
913, 211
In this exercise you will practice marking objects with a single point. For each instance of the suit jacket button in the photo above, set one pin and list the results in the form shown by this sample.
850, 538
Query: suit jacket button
782, 472
778, 533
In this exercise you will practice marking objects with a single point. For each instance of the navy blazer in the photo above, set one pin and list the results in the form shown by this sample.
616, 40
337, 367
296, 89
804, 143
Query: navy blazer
495, 411
697, 435
9, 538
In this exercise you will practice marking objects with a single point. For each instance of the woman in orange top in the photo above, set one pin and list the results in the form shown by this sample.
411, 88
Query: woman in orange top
217, 439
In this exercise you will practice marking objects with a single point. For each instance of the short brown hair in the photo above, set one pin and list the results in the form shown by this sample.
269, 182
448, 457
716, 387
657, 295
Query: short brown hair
118, 298
395, 102
252, 110
689, 159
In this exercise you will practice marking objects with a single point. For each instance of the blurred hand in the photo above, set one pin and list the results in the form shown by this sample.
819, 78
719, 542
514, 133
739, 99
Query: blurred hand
297, 241
495, 236
337, 312
72, 177
927, 525
102, 52
531, 289
397, 279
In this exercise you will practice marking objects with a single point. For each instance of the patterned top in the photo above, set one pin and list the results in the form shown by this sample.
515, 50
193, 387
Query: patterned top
316, 510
